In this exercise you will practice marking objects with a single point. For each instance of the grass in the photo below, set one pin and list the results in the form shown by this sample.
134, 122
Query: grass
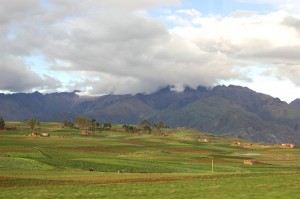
141, 166
283, 185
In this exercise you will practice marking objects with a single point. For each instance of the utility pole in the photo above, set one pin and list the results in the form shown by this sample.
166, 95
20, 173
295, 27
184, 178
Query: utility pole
212, 165
81, 160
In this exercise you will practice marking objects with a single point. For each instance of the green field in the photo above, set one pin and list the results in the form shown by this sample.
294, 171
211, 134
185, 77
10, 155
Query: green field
170, 164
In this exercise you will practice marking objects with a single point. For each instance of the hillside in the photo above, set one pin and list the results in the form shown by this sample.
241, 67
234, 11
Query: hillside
112, 163
296, 103
233, 110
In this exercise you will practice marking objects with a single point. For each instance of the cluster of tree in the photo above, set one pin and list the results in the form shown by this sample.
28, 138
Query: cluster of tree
33, 124
68, 124
107, 125
94, 125
131, 129
149, 126
84, 123
145, 126
2, 123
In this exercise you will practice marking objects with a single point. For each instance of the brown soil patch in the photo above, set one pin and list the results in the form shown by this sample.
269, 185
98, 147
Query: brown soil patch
191, 150
216, 161
95, 150
7, 150
4, 178
169, 179
117, 181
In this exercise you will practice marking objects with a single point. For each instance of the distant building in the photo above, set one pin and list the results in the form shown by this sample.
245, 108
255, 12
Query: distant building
84, 132
251, 162
45, 134
39, 134
285, 145
203, 140
10, 128
242, 144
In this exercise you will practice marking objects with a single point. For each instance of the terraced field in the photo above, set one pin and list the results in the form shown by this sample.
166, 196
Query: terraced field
115, 164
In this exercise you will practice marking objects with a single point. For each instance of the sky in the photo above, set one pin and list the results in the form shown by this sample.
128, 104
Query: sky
139, 46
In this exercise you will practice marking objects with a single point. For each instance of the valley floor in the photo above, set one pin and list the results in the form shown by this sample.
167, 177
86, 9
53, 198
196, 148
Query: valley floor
113, 164
111, 185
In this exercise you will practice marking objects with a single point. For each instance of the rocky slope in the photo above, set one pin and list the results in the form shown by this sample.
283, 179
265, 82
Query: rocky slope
232, 111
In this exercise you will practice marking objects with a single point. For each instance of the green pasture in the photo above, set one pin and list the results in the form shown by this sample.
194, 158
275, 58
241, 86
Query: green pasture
212, 186
116, 164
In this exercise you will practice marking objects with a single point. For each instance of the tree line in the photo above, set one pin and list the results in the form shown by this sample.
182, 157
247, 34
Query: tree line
145, 126
2, 123
86, 124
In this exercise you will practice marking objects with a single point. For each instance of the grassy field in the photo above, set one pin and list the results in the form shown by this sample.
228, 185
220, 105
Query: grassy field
173, 165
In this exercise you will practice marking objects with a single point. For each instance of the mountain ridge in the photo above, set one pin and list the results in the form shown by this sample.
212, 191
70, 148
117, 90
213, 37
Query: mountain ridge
225, 110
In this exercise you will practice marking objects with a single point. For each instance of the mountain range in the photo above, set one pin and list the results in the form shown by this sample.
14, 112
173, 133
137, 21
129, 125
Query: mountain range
224, 110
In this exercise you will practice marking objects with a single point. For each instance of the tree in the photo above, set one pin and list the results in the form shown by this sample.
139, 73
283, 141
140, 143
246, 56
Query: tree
130, 129
107, 125
98, 125
93, 125
2, 123
125, 127
82, 123
145, 123
33, 124
146, 126
68, 124
160, 126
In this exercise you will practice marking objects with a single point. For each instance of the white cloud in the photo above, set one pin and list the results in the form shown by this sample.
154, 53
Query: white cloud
116, 47
16, 76
61, 32
287, 5
265, 40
